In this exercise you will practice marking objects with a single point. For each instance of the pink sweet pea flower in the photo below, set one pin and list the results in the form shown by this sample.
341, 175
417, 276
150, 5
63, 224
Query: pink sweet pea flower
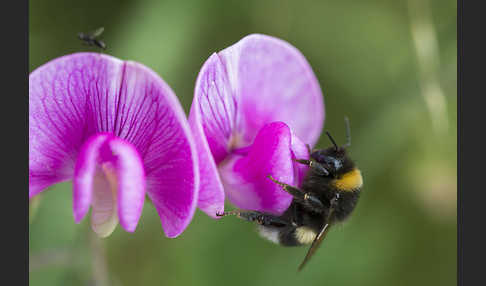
116, 130
256, 104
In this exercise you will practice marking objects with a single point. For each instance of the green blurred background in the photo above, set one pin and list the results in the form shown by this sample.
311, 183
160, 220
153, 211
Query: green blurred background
390, 66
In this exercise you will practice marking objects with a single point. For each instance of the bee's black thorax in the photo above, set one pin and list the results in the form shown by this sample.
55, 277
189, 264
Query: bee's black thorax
345, 179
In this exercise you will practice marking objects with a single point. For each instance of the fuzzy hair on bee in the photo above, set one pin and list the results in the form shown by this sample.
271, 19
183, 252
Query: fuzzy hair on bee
328, 195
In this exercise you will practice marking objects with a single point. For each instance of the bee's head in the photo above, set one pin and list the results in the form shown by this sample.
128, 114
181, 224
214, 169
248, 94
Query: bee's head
335, 158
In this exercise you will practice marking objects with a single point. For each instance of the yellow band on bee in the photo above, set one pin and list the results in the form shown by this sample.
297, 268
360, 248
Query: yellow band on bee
350, 181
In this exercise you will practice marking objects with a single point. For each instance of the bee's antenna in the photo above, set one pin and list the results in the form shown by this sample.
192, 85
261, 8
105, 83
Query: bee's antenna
332, 140
348, 132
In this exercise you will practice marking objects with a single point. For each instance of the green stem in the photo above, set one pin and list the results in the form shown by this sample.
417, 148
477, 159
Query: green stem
100, 267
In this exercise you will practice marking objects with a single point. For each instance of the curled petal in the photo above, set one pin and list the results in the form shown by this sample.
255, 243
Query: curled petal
246, 177
84, 174
211, 192
211, 119
109, 176
128, 170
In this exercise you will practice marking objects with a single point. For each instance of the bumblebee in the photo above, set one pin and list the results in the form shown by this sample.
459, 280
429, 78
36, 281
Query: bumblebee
329, 193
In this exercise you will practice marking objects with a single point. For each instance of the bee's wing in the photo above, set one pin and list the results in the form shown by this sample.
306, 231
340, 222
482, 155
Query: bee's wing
315, 244
97, 32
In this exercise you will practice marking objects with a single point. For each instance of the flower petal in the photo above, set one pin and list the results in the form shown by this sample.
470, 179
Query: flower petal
76, 96
256, 81
211, 192
299, 151
104, 218
69, 100
109, 176
245, 177
215, 106
211, 119
273, 82
84, 174
163, 137
130, 178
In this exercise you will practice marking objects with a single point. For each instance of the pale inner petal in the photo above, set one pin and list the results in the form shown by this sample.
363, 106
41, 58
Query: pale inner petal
104, 217
239, 191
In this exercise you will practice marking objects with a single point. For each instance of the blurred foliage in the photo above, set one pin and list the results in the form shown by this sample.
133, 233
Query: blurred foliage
403, 231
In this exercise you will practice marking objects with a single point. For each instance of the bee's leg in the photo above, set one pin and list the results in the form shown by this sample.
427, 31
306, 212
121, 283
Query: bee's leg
314, 165
258, 217
309, 200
